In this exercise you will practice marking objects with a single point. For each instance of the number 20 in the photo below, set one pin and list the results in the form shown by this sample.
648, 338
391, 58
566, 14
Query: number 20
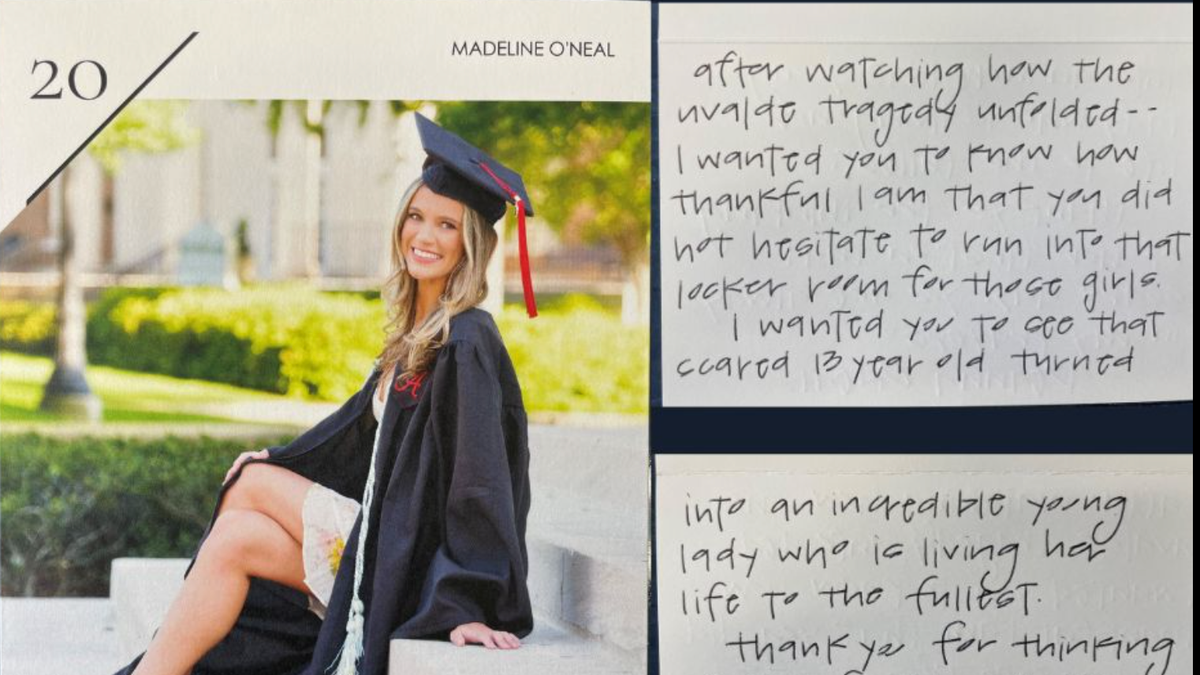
42, 93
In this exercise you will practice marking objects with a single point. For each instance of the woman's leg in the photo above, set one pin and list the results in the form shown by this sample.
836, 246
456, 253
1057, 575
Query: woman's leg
256, 534
273, 491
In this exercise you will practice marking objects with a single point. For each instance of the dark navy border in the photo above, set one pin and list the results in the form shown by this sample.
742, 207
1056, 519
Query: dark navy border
1141, 427
655, 351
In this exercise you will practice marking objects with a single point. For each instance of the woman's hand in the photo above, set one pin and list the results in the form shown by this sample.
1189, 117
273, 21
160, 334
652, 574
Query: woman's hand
479, 634
241, 459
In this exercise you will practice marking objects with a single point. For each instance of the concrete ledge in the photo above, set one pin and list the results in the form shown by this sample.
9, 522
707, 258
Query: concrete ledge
57, 636
548, 651
587, 531
595, 585
142, 590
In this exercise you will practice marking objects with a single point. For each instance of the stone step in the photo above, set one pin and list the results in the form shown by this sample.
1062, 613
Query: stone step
69, 636
547, 651
141, 590
587, 531
58, 636
589, 604
593, 585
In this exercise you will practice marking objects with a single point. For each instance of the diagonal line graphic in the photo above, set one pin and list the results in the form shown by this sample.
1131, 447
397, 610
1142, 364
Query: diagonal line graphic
111, 117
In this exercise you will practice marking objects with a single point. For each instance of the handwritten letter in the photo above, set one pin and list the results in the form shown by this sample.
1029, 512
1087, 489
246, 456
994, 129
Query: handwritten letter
925, 222
896, 565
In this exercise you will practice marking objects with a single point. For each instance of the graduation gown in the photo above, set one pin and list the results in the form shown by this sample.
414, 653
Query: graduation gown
446, 541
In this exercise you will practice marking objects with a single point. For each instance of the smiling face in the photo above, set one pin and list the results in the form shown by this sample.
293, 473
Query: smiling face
440, 252
431, 237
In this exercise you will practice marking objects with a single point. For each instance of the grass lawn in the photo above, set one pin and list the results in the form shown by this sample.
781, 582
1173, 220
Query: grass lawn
127, 396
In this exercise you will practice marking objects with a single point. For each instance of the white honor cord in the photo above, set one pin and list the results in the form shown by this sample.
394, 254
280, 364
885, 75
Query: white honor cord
351, 651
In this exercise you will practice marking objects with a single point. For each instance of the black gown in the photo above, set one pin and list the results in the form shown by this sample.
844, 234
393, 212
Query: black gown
446, 544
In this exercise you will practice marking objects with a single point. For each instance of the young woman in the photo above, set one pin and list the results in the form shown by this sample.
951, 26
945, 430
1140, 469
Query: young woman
402, 515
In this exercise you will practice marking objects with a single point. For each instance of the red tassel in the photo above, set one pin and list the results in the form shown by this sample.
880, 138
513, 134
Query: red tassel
526, 275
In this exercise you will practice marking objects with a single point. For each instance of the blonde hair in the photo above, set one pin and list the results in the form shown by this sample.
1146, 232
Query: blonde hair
411, 348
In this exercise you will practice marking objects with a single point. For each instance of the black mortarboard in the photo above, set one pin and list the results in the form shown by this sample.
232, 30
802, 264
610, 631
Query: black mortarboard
456, 169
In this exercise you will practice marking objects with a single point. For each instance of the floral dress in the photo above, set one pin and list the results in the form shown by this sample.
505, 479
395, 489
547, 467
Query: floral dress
328, 518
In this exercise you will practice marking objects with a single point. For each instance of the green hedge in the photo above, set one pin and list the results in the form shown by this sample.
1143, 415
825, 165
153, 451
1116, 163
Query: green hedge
576, 357
285, 339
69, 506
28, 327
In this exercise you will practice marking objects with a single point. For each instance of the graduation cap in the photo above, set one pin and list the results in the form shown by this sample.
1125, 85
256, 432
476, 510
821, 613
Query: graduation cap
456, 169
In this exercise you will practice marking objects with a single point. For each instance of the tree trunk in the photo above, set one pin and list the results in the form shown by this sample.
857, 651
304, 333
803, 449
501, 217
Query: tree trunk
67, 393
635, 296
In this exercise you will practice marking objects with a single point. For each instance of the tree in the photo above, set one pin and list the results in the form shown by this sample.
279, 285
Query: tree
586, 165
144, 126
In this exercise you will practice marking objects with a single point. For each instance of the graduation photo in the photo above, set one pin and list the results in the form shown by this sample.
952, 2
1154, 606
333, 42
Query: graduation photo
332, 387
